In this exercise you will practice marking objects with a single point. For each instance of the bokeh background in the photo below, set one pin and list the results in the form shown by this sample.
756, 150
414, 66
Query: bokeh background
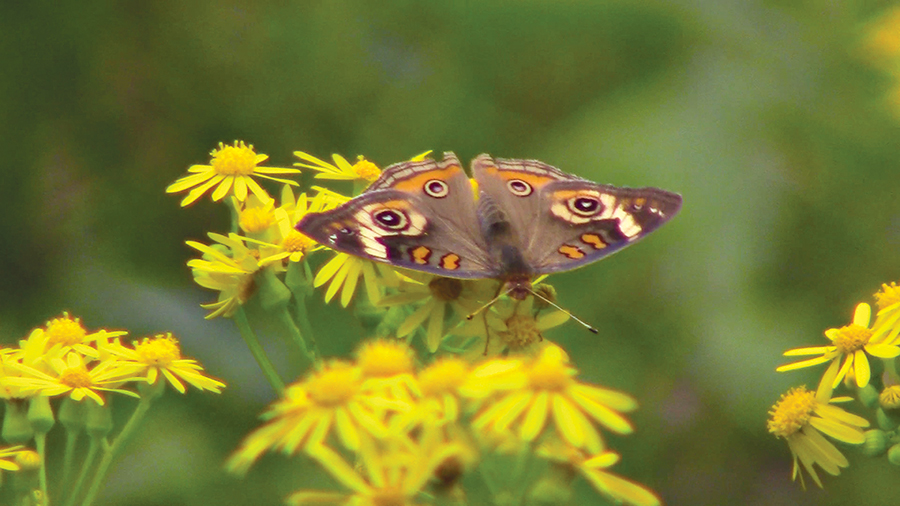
777, 121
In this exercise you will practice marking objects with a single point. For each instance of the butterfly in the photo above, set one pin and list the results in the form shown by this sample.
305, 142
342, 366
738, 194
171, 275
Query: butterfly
528, 219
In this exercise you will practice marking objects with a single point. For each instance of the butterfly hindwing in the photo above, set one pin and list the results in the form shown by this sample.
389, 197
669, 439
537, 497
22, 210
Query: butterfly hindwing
585, 222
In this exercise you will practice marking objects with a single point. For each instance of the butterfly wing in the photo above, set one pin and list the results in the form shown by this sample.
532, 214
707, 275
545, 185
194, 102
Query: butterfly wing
417, 215
560, 222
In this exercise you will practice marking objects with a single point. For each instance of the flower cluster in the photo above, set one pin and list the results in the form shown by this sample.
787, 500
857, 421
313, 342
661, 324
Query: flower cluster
412, 429
64, 359
861, 356
388, 429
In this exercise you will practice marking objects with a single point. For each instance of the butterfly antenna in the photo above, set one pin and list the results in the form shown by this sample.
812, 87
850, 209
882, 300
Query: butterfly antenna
548, 301
489, 304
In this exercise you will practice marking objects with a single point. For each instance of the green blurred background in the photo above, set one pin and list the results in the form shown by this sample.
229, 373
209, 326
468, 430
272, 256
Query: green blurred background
767, 116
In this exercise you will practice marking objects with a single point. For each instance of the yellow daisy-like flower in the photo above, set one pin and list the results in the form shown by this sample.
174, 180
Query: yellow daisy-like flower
801, 417
343, 271
66, 333
8, 457
162, 354
72, 377
514, 325
391, 477
530, 393
289, 243
437, 295
439, 385
8, 391
230, 170
328, 399
231, 274
594, 470
362, 170
256, 217
388, 369
850, 343
889, 398
885, 328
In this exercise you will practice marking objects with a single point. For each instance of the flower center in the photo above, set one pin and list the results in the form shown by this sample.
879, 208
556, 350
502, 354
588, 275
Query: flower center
295, 241
237, 160
159, 351
75, 378
333, 386
522, 331
256, 219
65, 331
445, 289
366, 170
549, 373
443, 377
888, 296
246, 288
389, 496
890, 397
851, 338
383, 359
792, 411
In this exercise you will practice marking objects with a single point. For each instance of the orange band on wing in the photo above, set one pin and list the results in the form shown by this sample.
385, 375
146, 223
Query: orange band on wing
593, 240
570, 251
450, 261
420, 255
417, 182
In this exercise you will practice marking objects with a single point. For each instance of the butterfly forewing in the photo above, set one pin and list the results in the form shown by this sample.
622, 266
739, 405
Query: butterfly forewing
417, 215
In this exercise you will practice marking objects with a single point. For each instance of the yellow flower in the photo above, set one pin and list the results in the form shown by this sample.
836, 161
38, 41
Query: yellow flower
256, 217
436, 295
512, 325
390, 476
232, 274
885, 328
331, 398
851, 343
289, 242
363, 169
594, 470
8, 457
889, 398
530, 393
439, 384
801, 416
343, 272
884, 36
65, 333
161, 354
230, 170
72, 377
388, 368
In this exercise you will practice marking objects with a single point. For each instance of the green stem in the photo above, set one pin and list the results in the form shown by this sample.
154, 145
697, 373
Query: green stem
86, 466
40, 440
240, 319
68, 458
110, 452
235, 215
297, 336
299, 279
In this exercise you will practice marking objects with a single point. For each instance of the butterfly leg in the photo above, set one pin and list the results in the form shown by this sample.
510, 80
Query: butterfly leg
487, 328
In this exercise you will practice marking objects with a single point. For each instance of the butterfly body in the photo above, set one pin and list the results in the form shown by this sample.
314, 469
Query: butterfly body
528, 219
